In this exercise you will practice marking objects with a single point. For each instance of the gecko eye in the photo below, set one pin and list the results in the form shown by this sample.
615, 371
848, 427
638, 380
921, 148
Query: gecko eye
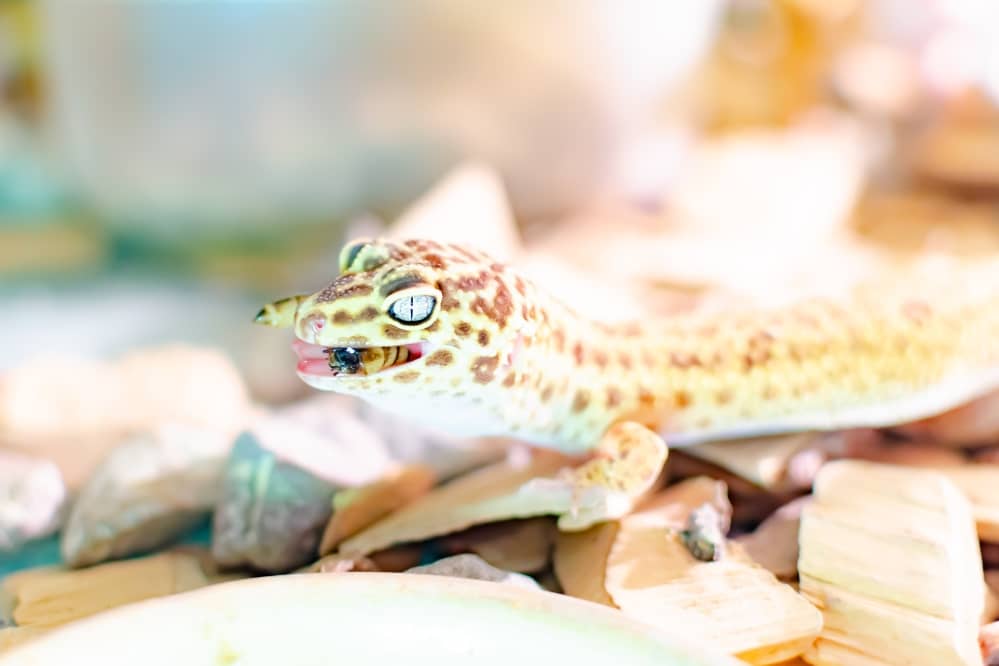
413, 308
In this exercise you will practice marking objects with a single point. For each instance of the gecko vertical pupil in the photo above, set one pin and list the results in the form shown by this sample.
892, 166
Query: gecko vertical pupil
345, 359
413, 309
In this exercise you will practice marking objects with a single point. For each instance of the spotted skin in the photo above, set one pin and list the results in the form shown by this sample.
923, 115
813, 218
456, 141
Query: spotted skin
512, 360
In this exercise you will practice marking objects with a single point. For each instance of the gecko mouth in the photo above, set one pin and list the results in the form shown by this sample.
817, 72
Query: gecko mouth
324, 361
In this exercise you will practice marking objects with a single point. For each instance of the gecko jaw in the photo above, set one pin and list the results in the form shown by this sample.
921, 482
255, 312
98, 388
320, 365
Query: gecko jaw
317, 362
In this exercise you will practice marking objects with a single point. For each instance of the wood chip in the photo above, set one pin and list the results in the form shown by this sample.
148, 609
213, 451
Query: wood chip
991, 604
891, 557
733, 604
973, 423
517, 545
357, 508
980, 484
913, 454
51, 596
580, 560
494, 493
988, 637
648, 572
774, 544
762, 460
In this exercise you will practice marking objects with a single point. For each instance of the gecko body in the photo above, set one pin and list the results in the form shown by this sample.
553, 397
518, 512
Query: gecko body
446, 335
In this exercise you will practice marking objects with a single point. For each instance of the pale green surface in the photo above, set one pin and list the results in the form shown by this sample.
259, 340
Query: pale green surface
362, 618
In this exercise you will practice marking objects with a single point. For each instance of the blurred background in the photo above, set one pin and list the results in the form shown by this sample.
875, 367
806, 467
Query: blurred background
167, 167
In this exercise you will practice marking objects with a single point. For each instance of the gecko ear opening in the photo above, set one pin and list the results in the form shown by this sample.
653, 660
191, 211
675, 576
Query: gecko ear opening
362, 254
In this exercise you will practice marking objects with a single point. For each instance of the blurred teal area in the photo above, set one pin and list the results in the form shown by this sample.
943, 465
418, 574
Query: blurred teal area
45, 552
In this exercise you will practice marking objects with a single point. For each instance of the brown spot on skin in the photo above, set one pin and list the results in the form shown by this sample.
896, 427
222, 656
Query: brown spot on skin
546, 395
435, 261
520, 286
483, 337
681, 399
577, 353
723, 397
480, 306
341, 317
625, 360
502, 304
368, 314
559, 337
755, 358
613, 397
463, 328
683, 360
450, 303
472, 282
509, 380
646, 398
581, 400
484, 369
434, 326
600, 358
441, 357
392, 332
407, 376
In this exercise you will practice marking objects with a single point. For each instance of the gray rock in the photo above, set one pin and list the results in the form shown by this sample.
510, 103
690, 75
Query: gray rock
270, 513
472, 566
32, 499
147, 492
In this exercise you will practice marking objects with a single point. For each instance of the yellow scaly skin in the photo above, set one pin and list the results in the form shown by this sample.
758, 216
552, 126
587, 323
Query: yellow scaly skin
504, 358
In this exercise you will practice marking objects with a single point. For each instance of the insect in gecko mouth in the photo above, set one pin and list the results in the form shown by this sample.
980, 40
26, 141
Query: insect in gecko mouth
369, 360
344, 359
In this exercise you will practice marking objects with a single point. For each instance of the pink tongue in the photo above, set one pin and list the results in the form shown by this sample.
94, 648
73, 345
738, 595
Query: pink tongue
304, 350
315, 366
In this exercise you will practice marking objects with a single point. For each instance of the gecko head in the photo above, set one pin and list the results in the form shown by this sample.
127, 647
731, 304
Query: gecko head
404, 317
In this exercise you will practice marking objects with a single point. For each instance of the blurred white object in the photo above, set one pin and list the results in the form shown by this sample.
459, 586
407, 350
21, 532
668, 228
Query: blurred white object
32, 497
469, 192
174, 114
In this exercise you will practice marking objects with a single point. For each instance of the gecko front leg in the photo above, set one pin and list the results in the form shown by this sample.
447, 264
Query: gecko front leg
626, 463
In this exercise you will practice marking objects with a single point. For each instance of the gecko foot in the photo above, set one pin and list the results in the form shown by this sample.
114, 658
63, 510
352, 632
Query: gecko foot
627, 462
